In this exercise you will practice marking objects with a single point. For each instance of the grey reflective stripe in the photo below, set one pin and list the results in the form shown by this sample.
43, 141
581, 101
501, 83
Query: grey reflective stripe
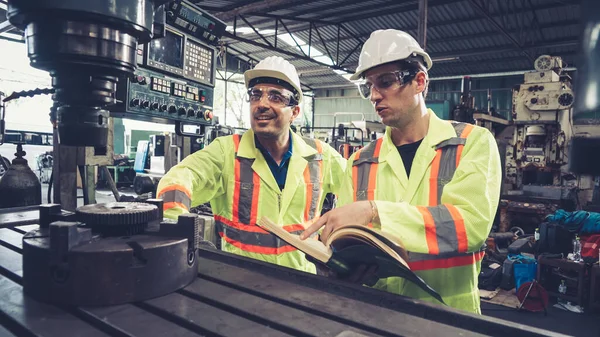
459, 127
452, 141
414, 257
314, 169
448, 158
364, 165
446, 170
265, 240
315, 179
177, 196
445, 229
246, 189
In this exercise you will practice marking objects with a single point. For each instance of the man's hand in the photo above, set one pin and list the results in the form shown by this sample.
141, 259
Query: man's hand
358, 213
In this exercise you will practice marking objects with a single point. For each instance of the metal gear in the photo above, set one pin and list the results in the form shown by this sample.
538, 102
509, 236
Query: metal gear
118, 218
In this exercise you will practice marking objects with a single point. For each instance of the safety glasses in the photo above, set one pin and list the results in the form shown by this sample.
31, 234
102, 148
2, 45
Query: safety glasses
278, 97
384, 82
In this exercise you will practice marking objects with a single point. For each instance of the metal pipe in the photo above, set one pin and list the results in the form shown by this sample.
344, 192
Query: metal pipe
422, 26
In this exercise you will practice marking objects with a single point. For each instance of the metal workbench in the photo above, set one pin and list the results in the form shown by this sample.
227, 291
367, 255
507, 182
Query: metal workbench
234, 296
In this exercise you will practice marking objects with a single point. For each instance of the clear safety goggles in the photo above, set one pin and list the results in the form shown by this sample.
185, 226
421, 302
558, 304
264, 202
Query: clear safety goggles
279, 97
383, 82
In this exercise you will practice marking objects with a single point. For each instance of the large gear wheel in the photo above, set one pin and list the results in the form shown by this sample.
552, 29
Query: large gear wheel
118, 218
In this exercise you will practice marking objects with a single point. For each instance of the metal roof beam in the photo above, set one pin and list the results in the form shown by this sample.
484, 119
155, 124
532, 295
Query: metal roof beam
390, 10
432, 24
278, 50
500, 28
259, 6
570, 41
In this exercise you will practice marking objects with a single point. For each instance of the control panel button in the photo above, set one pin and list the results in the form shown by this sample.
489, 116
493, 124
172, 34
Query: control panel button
172, 109
202, 99
135, 102
181, 111
191, 112
145, 104
208, 115
154, 106
163, 107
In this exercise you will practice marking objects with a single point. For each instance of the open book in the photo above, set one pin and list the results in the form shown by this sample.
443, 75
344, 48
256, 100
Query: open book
349, 247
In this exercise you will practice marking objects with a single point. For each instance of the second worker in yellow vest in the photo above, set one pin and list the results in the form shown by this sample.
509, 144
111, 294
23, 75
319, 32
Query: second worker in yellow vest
433, 183
268, 171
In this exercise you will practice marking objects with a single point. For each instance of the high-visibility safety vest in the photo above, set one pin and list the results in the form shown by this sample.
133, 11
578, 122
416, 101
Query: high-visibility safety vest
234, 176
443, 213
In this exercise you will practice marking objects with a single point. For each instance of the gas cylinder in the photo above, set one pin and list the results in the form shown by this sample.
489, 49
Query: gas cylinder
20, 186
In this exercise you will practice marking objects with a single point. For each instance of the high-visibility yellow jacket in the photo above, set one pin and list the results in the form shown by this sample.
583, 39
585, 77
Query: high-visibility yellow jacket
234, 176
443, 213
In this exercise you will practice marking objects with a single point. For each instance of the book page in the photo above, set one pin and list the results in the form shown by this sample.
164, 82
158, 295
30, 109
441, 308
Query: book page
312, 247
369, 236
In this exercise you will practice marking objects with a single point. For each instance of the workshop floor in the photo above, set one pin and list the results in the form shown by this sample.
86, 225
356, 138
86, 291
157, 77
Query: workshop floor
557, 320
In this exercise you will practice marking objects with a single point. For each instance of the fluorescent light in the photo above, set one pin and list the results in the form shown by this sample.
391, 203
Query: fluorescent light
240, 30
287, 38
444, 59
12, 35
324, 59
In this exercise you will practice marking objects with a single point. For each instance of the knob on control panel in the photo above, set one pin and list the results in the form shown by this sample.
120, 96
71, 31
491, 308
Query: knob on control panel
172, 109
135, 102
154, 106
145, 104
181, 111
163, 107
191, 112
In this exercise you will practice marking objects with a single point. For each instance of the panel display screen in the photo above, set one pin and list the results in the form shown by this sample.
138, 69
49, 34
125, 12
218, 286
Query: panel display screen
199, 62
168, 50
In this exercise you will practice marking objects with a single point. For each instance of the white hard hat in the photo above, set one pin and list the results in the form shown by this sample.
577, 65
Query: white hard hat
384, 46
278, 69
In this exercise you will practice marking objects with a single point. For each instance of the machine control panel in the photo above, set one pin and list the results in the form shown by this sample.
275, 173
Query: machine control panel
155, 97
194, 21
176, 73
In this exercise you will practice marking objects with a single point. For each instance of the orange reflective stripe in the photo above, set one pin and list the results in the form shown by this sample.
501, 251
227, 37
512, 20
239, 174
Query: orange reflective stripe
373, 172
309, 192
430, 230
169, 205
236, 189
255, 192
433, 178
258, 249
457, 261
179, 188
464, 134
254, 228
355, 175
459, 225
236, 142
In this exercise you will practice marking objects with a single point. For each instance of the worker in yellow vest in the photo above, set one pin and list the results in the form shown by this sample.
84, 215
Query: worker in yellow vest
268, 171
433, 183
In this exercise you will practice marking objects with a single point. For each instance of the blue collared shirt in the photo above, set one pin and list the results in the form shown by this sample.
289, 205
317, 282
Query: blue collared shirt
279, 171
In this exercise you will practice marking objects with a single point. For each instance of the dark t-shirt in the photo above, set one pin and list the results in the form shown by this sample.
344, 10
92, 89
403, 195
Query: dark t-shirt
407, 153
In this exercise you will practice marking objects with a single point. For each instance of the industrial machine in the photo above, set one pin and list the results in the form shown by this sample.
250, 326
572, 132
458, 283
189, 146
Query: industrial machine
175, 79
59, 291
537, 156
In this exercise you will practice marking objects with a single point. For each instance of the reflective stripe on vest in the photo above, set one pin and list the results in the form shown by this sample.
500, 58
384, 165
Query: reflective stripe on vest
365, 176
428, 261
241, 231
313, 176
175, 196
445, 230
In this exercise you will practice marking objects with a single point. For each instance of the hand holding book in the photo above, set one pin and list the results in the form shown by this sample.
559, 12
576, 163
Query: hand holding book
348, 247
